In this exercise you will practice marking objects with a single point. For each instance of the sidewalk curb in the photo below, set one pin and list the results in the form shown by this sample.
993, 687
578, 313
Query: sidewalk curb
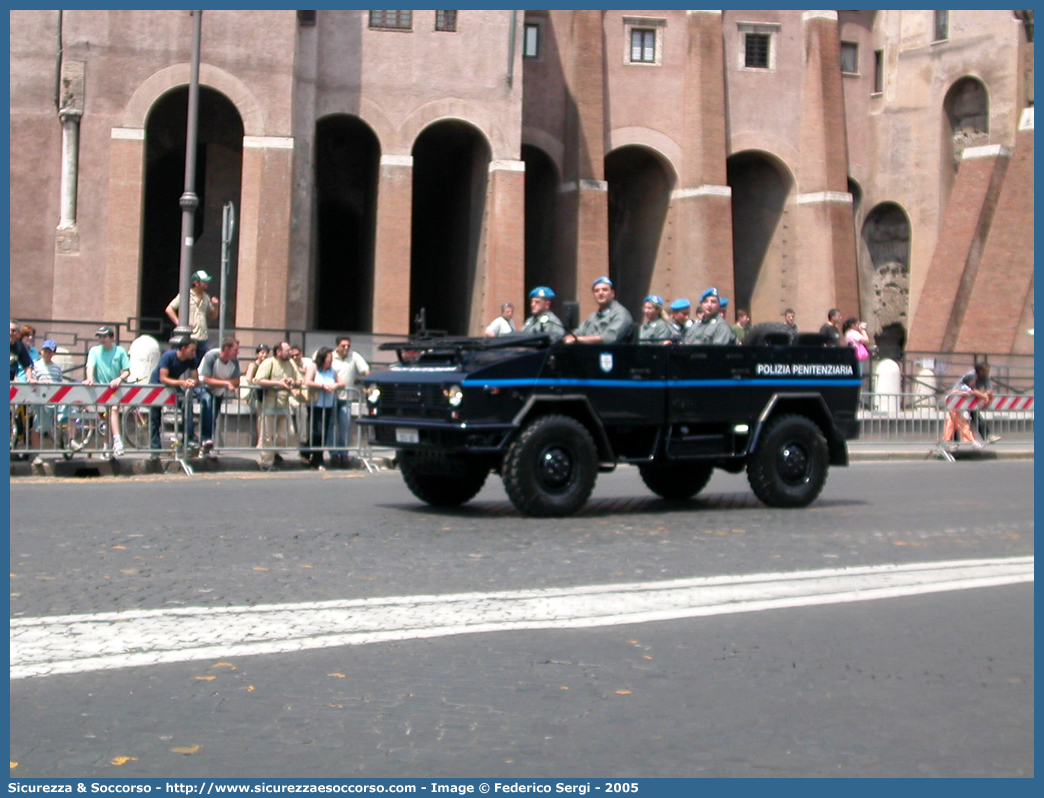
138, 465
929, 453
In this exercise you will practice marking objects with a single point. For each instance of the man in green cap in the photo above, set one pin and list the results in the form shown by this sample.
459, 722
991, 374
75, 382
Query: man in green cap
203, 309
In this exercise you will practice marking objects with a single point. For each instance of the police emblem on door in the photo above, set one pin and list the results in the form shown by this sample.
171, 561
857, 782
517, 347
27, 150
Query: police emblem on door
605, 361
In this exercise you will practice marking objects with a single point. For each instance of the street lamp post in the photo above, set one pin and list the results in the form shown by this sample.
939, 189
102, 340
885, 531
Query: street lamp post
189, 200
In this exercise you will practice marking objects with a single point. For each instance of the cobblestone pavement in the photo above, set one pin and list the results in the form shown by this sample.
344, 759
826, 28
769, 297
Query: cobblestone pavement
80, 643
911, 685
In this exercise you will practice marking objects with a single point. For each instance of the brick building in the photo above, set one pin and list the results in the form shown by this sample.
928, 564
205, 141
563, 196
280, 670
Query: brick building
381, 162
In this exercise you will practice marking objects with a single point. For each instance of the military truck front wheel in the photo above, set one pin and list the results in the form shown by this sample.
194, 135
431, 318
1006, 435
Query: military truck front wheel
789, 468
676, 482
450, 489
551, 467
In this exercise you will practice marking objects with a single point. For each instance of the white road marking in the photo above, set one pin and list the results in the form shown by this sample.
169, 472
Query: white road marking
80, 643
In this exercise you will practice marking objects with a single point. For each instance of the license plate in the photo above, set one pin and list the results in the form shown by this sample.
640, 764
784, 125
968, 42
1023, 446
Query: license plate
403, 435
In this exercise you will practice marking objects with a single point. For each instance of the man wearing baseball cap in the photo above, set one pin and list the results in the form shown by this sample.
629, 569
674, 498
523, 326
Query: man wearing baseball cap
48, 371
108, 364
542, 320
203, 309
609, 323
710, 328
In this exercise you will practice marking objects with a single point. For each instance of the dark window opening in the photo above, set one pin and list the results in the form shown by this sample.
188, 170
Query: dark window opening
942, 26
446, 20
878, 71
756, 50
643, 46
530, 41
850, 58
392, 20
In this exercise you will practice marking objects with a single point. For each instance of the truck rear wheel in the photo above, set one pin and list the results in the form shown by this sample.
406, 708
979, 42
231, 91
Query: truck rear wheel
789, 468
676, 482
551, 467
445, 484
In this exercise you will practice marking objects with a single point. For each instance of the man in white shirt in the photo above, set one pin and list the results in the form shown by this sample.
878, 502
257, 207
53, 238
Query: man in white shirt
502, 324
349, 366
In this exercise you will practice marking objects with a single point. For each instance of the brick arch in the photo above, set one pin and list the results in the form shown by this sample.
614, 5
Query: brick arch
477, 117
966, 110
377, 120
886, 243
664, 147
548, 143
159, 83
641, 182
763, 189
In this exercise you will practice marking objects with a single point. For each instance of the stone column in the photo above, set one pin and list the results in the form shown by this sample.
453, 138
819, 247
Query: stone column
70, 168
503, 273
392, 246
264, 238
823, 273
70, 110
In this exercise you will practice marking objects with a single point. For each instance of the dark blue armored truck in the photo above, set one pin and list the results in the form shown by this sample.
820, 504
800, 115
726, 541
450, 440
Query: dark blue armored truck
548, 417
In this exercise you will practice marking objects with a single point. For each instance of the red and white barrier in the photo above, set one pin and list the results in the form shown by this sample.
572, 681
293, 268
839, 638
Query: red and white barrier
79, 394
965, 401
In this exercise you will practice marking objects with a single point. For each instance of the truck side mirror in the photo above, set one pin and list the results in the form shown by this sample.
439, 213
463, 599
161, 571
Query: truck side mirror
571, 311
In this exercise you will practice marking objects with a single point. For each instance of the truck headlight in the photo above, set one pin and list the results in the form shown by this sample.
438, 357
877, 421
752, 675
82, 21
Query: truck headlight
455, 395
373, 394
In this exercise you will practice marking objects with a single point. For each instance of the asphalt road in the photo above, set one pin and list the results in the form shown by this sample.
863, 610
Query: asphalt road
939, 684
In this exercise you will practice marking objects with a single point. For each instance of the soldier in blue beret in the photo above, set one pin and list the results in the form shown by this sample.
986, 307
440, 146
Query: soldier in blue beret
654, 328
710, 328
609, 323
680, 321
542, 321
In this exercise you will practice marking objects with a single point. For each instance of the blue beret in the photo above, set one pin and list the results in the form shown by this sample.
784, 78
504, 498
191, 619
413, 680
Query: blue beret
605, 280
708, 292
542, 292
656, 299
724, 302
680, 304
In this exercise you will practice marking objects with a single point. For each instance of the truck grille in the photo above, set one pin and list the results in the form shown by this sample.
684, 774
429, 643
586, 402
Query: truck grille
413, 401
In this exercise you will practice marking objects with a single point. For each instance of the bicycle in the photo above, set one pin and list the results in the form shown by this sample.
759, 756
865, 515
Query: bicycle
21, 422
83, 426
134, 422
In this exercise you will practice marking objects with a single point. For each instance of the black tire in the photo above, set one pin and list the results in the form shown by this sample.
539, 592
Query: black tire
769, 333
135, 426
551, 467
441, 482
676, 482
789, 468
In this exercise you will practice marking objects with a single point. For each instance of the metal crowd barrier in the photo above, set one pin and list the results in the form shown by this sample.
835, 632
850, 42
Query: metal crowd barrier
916, 419
69, 420
74, 420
